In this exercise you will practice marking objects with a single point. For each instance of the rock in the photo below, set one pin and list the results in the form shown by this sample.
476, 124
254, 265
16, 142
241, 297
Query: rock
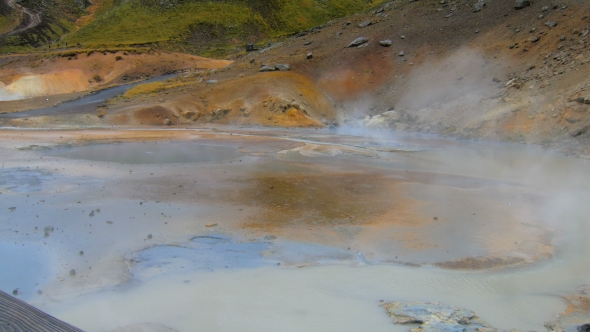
307, 43
219, 114
545, 8
535, 39
403, 36
211, 82
189, 114
478, 6
309, 55
383, 120
167, 122
266, 68
357, 42
72, 272
149, 236
211, 225
551, 24
385, 43
282, 67
520, 4
401, 53
365, 24
434, 316
47, 230
583, 100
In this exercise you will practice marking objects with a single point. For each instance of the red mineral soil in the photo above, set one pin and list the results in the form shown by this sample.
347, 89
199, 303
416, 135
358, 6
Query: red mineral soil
63, 76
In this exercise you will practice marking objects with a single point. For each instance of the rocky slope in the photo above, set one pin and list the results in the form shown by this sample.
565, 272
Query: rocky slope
498, 73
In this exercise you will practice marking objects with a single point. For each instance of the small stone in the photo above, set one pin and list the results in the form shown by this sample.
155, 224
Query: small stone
81, 253
365, 24
545, 8
149, 236
211, 225
266, 68
357, 42
551, 24
72, 272
403, 36
212, 82
282, 67
535, 39
47, 230
385, 43
478, 6
309, 55
167, 122
520, 4
401, 53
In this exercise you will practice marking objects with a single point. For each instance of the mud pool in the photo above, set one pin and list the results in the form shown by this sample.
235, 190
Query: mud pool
265, 230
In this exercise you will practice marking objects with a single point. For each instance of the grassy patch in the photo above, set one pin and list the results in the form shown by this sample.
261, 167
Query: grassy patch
132, 24
154, 87
222, 27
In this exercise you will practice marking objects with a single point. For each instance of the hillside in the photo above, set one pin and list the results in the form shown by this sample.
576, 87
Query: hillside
495, 74
209, 28
52, 19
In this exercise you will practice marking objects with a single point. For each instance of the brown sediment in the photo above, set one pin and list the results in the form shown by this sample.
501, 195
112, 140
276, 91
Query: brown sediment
480, 263
334, 199
576, 314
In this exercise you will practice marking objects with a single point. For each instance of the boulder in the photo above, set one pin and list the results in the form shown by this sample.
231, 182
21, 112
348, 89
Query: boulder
357, 42
520, 4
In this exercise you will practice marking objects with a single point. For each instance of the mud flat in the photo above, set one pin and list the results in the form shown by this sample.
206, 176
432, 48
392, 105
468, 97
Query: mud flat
242, 229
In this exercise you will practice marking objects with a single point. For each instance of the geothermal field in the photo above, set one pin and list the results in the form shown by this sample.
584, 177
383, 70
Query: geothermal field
286, 165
